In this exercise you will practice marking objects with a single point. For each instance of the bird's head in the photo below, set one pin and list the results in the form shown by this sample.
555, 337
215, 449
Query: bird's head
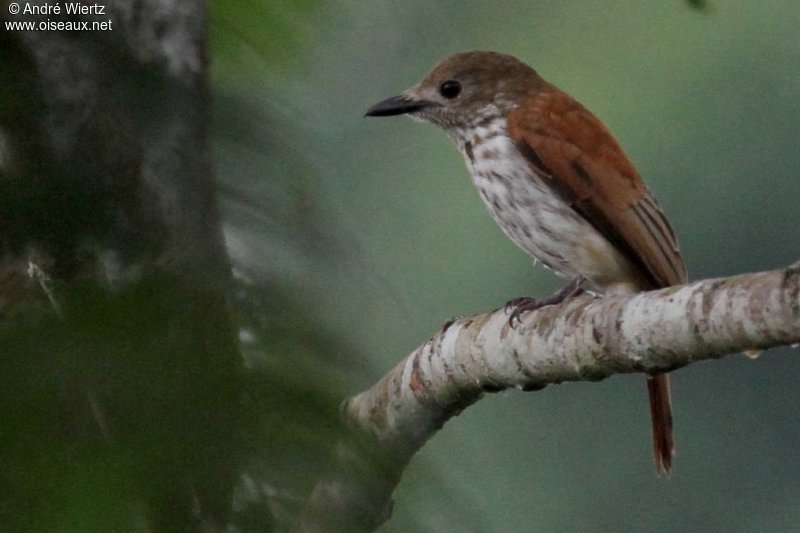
464, 90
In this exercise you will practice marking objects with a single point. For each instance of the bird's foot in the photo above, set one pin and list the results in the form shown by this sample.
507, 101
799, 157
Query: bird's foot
519, 306
526, 304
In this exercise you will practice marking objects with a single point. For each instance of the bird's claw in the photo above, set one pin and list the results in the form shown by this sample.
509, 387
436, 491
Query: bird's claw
520, 306
526, 304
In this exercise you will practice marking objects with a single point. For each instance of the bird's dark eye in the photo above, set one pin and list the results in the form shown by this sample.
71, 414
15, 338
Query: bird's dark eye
450, 89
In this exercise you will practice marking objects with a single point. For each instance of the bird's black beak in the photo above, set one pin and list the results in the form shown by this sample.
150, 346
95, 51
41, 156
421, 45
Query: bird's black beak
397, 105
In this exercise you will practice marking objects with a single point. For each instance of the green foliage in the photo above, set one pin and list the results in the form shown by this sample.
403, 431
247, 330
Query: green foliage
108, 411
698, 4
246, 29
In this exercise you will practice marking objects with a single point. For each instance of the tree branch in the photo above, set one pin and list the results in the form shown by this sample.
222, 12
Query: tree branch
584, 339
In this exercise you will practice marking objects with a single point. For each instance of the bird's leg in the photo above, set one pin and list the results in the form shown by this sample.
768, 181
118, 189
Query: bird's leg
526, 304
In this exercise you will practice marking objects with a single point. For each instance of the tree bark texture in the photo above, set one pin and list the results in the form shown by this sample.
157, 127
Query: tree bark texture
120, 363
583, 339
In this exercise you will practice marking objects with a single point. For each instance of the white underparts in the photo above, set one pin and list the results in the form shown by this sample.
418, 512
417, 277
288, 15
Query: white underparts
531, 214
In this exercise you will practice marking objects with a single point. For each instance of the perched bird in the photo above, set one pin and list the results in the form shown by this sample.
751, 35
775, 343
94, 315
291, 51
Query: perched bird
558, 184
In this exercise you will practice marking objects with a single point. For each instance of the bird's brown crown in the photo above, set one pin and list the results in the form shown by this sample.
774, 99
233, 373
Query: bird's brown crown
489, 70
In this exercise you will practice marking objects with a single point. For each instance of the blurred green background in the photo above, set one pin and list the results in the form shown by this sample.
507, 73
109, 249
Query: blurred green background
374, 228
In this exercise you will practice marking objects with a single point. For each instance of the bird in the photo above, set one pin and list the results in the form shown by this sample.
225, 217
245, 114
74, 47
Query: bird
558, 184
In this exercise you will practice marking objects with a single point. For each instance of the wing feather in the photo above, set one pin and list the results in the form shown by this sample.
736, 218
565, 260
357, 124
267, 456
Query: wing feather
581, 160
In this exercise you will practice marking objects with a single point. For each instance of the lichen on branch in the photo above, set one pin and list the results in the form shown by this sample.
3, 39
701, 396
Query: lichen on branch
584, 339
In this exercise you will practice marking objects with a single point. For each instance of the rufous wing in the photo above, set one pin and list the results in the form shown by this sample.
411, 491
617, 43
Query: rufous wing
581, 160
576, 154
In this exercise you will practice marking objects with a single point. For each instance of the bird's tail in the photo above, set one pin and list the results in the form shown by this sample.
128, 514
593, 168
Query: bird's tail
661, 416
